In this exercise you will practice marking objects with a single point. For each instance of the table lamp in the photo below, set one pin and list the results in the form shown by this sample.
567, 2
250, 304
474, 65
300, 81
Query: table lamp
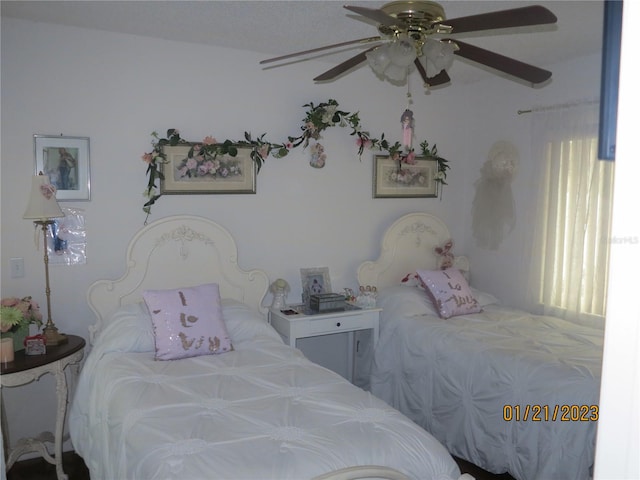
42, 208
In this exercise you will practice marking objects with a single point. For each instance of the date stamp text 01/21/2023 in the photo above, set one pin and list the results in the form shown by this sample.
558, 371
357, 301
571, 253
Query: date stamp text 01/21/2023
553, 413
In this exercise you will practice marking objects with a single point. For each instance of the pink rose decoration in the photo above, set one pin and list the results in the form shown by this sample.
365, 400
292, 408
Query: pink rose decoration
263, 151
192, 163
47, 191
10, 302
360, 142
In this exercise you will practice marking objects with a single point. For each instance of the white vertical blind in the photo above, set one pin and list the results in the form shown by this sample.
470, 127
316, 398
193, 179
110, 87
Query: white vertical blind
574, 220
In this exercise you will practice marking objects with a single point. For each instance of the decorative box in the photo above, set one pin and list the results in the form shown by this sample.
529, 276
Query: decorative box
35, 345
325, 302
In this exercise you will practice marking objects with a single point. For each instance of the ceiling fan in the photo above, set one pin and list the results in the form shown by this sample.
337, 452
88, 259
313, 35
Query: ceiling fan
415, 33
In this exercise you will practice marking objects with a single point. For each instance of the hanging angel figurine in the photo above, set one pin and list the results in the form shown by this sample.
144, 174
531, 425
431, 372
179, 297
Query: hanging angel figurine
406, 120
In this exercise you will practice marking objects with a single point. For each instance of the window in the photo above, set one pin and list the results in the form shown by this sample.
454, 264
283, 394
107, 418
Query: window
574, 220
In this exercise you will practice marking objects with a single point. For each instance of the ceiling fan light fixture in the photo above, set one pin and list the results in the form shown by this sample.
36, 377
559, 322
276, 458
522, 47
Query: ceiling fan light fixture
440, 54
385, 65
406, 27
402, 52
379, 59
396, 73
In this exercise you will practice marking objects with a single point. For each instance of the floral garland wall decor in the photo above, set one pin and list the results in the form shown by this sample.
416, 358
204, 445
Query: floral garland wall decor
202, 159
206, 158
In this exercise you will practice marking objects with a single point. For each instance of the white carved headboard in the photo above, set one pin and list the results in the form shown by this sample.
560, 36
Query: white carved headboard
173, 252
408, 245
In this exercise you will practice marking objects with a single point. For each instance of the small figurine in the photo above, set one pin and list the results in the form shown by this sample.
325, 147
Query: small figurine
407, 128
446, 254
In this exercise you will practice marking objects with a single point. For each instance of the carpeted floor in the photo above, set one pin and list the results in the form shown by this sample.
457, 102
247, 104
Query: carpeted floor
74, 467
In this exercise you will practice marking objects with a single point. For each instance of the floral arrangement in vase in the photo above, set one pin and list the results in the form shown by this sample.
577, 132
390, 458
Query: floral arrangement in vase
16, 314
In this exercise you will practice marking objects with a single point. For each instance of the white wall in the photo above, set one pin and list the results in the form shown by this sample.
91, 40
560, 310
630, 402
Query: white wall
116, 89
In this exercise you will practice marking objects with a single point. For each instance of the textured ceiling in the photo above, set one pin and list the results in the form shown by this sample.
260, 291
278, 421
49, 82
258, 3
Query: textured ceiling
274, 28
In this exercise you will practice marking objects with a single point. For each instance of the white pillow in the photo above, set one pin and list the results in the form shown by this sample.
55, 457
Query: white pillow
127, 329
245, 324
484, 298
405, 301
130, 329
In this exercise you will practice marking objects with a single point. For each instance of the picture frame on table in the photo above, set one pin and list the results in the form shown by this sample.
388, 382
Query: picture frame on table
65, 160
392, 179
224, 174
314, 280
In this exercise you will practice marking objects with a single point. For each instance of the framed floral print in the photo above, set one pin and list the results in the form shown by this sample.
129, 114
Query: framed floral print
65, 160
400, 179
186, 169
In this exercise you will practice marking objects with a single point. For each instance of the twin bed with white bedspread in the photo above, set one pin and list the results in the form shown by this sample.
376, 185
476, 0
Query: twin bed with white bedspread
260, 411
503, 389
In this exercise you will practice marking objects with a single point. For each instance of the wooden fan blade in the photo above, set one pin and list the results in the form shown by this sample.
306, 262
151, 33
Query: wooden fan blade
320, 49
439, 79
343, 67
507, 65
422, 70
374, 14
515, 17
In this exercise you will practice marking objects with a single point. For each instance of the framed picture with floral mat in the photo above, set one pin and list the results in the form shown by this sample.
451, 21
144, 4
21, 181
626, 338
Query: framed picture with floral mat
399, 178
197, 168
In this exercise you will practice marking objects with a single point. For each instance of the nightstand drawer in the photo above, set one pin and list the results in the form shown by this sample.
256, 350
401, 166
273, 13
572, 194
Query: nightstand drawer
342, 323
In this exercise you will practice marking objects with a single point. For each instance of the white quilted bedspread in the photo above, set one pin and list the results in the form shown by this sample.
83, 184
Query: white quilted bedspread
487, 385
262, 412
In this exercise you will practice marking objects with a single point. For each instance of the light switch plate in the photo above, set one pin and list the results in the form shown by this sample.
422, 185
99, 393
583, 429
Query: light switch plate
17, 267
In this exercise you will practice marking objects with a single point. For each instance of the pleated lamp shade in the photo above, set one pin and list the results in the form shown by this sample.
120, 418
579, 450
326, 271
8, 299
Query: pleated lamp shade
42, 200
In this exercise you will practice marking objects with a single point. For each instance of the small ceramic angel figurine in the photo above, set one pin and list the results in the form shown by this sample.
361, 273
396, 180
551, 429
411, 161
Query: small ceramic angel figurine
279, 288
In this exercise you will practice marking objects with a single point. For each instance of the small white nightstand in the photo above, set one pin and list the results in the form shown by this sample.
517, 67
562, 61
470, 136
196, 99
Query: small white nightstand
304, 324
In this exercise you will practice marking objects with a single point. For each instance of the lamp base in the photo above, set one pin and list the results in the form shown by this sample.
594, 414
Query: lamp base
52, 336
